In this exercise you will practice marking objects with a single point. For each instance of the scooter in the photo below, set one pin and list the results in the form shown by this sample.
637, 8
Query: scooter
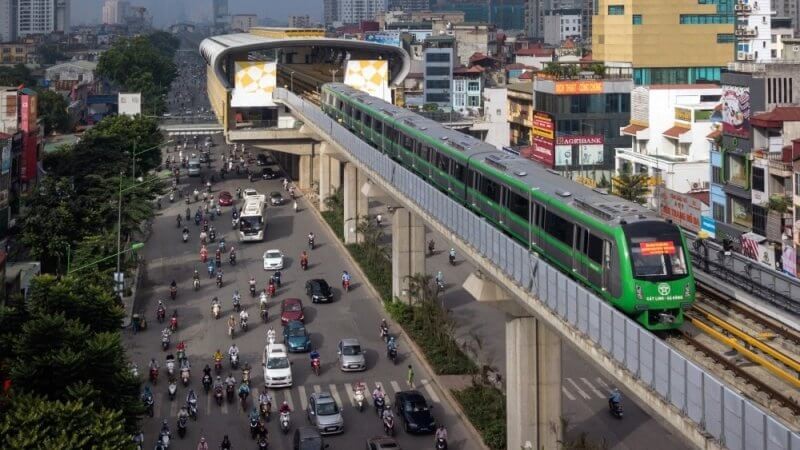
615, 408
246, 376
192, 404
161, 314
218, 395
207, 382
170, 365
392, 352
304, 264
388, 425
185, 374
172, 390
218, 366
219, 280
359, 396
148, 404
441, 444
252, 290
232, 258
165, 339
346, 285
215, 310
243, 323
185, 237
182, 426
237, 305
173, 292
154, 375
380, 403
229, 392
234, 360
315, 365
253, 427
196, 283
285, 423
452, 258
276, 277
311, 243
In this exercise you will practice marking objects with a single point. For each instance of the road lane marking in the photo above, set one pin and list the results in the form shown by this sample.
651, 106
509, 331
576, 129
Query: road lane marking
577, 388
350, 394
303, 397
208, 404
173, 408
287, 397
395, 386
225, 406
601, 382
431, 391
594, 389
157, 400
335, 394
566, 393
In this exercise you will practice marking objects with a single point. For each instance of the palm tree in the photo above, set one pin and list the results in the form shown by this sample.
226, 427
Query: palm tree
631, 187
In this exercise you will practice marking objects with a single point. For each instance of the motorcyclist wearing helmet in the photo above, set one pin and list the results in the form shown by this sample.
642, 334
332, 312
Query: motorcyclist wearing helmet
284, 408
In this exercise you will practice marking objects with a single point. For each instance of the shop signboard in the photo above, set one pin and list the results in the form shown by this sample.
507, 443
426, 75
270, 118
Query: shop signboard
684, 210
543, 133
129, 104
5, 164
579, 87
589, 149
709, 225
683, 114
383, 37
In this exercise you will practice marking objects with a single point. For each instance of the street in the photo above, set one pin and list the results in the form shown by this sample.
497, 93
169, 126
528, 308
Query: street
350, 315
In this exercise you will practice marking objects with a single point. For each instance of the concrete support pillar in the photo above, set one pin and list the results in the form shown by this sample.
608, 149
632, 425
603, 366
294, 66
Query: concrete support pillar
355, 203
533, 384
324, 180
335, 174
408, 249
306, 175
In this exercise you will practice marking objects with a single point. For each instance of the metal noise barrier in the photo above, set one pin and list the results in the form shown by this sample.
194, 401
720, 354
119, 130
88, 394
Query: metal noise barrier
731, 419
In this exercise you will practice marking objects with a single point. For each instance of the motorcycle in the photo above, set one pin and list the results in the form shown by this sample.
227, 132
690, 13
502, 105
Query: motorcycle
441, 444
232, 259
276, 278
388, 425
196, 283
237, 305
252, 290
315, 365
218, 395
229, 393
243, 323
285, 422
154, 375
188, 212
263, 444
615, 408
439, 285
185, 237
219, 280
171, 197
179, 219
172, 390
243, 399
148, 404
359, 397
263, 312
234, 360
161, 314
379, 403
346, 285
164, 439
173, 324
311, 243
271, 290
304, 264
265, 408
253, 427
234, 223
182, 426
185, 374
246, 376
207, 382
392, 353
218, 365
452, 258
170, 365
192, 404
165, 339
181, 354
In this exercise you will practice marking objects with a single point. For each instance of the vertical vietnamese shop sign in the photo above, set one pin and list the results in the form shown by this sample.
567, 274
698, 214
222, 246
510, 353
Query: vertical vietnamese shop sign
543, 137
736, 111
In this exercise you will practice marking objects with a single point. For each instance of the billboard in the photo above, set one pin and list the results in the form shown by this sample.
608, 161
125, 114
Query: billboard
684, 210
588, 148
28, 113
563, 155
579, 87
254, 83
542, 137
129, 104
736, 111
383, 37
370, 76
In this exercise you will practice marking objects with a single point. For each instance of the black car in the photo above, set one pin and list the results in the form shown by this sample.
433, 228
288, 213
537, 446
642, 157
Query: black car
414, 411
268, 174
319, 291
308, 438
263, 159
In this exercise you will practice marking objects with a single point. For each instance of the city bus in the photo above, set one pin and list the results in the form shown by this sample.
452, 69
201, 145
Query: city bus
252, 219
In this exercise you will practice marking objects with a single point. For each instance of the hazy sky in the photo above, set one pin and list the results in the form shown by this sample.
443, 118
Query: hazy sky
169, 11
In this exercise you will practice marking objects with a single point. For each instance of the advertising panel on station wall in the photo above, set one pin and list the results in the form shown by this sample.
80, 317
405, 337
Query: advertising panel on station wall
543, 139
370, 76
684, 210
253, 83
736, 111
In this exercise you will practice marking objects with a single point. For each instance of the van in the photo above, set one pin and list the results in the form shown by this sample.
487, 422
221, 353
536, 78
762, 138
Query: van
276, 365
194, 167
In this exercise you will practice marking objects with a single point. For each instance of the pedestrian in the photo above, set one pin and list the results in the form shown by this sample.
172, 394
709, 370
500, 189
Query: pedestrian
410, 377
379, 219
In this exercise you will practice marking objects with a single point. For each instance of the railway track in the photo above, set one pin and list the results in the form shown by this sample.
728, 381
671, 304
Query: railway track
755, 354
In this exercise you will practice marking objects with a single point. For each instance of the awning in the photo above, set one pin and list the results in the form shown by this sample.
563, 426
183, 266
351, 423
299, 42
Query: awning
677, 132
714, 135
632, 129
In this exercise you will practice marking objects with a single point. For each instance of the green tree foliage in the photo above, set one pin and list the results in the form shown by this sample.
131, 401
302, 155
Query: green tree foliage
53, 111
140, 64
32, 422
77, 300
164, 42
50, 54
138, 133
631, 187
16, 75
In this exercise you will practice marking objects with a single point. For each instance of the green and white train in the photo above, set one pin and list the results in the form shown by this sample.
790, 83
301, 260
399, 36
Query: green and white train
623, 252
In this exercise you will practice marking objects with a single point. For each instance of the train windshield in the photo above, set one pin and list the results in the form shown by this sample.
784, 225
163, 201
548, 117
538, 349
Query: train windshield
656, 251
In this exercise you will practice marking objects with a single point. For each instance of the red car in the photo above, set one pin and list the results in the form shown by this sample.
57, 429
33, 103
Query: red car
225, 198
291, 309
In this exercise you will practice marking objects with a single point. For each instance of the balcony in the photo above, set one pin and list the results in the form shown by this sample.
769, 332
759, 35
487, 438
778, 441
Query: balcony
745, 32
775, 163
742, 8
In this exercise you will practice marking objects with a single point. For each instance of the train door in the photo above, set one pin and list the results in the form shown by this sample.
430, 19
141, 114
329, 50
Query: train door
607, 248
579, 257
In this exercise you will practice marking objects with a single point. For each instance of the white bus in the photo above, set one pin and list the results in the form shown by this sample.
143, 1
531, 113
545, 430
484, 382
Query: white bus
253, 219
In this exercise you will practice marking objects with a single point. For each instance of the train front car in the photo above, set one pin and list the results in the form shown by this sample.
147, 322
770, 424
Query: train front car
659, 285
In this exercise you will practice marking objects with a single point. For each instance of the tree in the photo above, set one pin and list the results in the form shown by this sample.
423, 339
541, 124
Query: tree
139, 133
33, 422
50, 54
95, 306
16, 76
631, 187
53, 111
164, 42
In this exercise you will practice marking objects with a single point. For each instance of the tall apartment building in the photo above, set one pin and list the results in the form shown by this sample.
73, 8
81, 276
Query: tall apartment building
790, 9
114, 12
42, 17
753, 31
330, 12
219, 12
8, 20
409, 5
243, 22
535, 12
439, 57
675, 42
300, 21
357, 11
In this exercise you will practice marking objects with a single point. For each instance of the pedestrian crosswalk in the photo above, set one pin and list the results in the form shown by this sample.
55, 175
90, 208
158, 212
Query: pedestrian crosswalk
296, 397
580, 388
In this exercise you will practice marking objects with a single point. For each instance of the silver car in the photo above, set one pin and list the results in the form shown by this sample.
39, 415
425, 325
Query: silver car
324, 413
351, 357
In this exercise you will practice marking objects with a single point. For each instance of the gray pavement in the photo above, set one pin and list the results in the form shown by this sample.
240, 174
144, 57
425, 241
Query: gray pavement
584, 387
354, 314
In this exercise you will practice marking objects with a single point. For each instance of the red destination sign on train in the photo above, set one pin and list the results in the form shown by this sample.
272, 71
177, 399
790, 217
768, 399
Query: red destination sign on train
657, 248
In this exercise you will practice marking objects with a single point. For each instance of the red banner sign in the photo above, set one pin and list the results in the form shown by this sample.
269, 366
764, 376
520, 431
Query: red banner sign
578, 140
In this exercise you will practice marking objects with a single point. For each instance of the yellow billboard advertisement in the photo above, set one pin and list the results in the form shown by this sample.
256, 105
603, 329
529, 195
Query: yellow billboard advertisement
254, 83
370, 76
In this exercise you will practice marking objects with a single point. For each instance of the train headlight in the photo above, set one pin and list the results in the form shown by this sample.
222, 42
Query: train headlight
687, 290
639, 294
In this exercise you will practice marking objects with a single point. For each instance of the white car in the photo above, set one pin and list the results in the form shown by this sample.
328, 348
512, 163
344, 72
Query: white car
277, 369
273, 260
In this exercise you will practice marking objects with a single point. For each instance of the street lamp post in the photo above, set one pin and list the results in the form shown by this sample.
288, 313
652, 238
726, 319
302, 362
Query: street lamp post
135, 246
291, 80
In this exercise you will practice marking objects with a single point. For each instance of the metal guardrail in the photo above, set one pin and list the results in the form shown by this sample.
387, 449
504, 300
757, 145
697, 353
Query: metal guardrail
724, 414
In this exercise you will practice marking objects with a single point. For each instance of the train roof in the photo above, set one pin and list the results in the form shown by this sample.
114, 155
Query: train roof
596, 202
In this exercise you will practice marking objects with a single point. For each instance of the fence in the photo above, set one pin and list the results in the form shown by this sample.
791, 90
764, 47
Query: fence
725, 415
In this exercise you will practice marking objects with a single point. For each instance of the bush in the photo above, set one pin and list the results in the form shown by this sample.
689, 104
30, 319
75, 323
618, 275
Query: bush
485, 407
376, 267
334, 219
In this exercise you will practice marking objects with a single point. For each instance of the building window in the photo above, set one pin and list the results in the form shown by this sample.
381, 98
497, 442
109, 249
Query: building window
616, 10
437, 71
741, 212
725, 38
473, 100
758, 179
437, 84
716, 175
437, 57
759, 220
797, 186
706, 19
718, 211
637, 19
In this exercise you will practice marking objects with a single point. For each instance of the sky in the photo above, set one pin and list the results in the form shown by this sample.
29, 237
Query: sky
166, 12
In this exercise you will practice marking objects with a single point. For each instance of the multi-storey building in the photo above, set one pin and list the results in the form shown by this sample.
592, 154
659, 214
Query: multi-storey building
673, 42
474, 38
303, 21
753, 30
243, 22
330, 12
669, 130
357, 11
562, 24
409, 5
219, 12
114, 12
520, 114
438, 59
42, 17
17, 53
780, 31
467, 87
8, 20
789, 9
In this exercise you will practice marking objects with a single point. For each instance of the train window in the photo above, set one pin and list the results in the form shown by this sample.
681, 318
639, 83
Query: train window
490, 189
348, 109
422, 151
475, 179
595, 249
391, 133
367, 120
458, 171
518, 205
579, 232
357, 114
539, 222
408, 143
558, 227
377, 126
442, 162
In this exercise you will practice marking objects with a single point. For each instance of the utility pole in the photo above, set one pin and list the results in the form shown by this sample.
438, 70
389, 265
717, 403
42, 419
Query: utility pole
134, 161
117, 276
